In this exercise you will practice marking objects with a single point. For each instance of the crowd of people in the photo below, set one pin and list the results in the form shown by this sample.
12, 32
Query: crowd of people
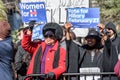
59, 52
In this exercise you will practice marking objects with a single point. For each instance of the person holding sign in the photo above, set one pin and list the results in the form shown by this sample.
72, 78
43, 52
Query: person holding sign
48, 57
72, 49
91, 56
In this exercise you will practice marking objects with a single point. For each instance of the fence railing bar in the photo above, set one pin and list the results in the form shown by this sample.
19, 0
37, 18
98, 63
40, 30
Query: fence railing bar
69, 75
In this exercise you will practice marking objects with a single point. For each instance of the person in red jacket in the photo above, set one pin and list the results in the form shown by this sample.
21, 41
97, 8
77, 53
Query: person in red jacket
48, 57
117, 67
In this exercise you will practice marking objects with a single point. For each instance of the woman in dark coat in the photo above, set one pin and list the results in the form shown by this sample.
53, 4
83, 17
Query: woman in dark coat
91, 54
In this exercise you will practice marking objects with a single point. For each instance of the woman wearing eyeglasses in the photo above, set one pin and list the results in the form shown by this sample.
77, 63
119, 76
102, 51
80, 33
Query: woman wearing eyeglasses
47, 57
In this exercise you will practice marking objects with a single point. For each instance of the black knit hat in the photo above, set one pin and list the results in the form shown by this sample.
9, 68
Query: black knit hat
111, 26
54, 27
93, 34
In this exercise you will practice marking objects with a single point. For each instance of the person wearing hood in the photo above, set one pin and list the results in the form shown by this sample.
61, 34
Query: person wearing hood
48, 57
91, 54
111, 50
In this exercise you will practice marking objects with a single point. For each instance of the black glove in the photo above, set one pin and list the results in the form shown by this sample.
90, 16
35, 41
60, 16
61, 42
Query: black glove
51, 76
31, 24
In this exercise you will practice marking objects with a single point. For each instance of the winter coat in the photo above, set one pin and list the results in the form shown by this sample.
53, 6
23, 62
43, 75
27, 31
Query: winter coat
33, 49
72, 57
110, 52
6, 57
22, 59
91, 56
85, 58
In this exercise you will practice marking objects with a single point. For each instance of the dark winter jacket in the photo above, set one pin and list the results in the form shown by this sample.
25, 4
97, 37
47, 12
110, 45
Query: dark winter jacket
85, 57
6, 57
111, 50
22, 59
91, 56
73, 55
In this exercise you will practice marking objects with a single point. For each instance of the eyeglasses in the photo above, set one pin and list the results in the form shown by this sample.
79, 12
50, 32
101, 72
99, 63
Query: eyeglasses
49, 36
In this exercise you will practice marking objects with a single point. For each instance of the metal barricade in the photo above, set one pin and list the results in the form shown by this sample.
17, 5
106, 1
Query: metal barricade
103, 76
34, 77
69, 76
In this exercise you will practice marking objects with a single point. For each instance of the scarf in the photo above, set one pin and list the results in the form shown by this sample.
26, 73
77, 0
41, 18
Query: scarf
37, 64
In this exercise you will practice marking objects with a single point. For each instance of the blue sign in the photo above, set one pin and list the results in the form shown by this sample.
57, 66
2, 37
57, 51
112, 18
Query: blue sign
37, 32
33, 11
83, 17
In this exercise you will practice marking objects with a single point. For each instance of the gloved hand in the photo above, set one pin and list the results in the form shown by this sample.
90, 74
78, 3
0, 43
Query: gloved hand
31, 24
51, 76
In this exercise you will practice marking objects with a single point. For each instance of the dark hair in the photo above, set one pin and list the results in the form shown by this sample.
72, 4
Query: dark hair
20, 29
25, 28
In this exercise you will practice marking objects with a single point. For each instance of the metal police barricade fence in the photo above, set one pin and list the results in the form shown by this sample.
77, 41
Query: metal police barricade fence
89, 76
34, 77
68, 76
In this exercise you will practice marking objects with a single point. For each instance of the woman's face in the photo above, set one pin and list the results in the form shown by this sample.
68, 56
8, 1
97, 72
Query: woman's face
91, 41
50, 39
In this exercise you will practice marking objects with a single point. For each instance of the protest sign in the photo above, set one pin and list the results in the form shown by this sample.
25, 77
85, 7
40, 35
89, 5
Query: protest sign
37, 32
33, 11
83, 17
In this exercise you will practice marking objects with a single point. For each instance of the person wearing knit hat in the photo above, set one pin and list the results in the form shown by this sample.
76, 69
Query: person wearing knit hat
6, 46
111, 50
